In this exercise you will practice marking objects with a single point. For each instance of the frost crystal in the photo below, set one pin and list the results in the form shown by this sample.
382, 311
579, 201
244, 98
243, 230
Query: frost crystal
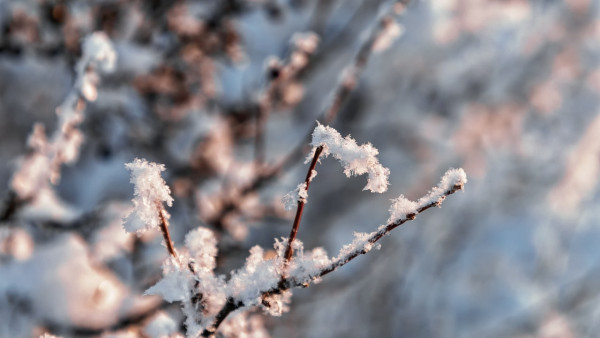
293, 197
150, 191
401, 207
356, 160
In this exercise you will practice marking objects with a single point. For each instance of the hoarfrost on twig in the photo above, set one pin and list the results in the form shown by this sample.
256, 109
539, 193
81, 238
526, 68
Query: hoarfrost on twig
150, 191
356, 160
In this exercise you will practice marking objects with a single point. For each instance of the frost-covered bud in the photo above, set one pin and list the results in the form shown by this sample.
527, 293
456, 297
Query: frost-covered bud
356, 160
150, 191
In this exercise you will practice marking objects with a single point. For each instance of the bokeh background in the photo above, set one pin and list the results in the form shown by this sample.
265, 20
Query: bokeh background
507, 90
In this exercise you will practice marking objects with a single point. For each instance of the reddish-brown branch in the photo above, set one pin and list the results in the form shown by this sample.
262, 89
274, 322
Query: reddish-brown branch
164, 228
296, 225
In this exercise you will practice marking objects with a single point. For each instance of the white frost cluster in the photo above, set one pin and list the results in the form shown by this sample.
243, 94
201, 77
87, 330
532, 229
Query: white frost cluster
360, 243
299, 194
202, 246
150, 191
402, 207
356, 160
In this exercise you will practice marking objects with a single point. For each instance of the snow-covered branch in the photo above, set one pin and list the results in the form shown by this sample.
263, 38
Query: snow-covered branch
150, 192
309, 268
41, 167
209, 299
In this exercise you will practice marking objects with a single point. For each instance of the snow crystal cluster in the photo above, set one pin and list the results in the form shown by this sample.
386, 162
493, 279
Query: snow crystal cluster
402, 207
265, 280
150, 192
356, 160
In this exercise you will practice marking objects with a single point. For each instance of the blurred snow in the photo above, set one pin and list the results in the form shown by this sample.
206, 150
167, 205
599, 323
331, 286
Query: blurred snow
506, 90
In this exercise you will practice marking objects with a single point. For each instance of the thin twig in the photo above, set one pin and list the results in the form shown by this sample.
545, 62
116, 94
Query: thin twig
296, 225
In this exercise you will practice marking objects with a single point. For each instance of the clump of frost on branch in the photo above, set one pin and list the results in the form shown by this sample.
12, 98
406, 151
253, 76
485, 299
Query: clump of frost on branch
299, 194
356, 160
150, 192
207, 299
402, 207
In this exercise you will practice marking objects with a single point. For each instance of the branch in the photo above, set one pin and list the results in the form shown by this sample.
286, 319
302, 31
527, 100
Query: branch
164, 228
302, 281
301, 203
383, 231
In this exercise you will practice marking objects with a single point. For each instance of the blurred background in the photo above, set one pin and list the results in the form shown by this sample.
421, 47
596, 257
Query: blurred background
223, 92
